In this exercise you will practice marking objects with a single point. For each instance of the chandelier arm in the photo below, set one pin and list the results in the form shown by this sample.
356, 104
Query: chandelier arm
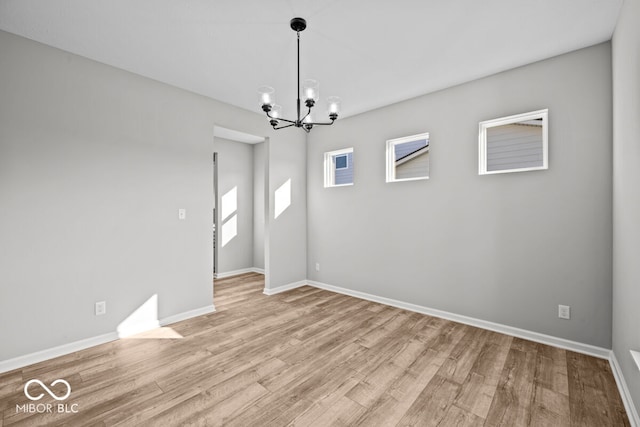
305, 116
323, 124
285, 120
286, 126
280, 118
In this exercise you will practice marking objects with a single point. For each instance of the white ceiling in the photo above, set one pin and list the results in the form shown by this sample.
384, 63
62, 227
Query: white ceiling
371, 53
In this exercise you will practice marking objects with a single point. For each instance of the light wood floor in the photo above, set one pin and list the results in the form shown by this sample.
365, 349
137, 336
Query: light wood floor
310, 357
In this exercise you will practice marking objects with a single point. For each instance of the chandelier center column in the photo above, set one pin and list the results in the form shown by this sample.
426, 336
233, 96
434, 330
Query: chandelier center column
298, 100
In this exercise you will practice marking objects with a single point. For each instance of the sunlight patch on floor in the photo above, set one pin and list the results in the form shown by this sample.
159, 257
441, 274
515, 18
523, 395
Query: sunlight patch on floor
163, 333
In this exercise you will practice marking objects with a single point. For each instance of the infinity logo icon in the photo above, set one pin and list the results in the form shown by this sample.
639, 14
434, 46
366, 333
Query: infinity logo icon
47, 389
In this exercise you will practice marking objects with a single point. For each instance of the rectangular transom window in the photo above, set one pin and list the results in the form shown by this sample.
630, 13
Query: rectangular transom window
338, 168
514, 144
408, 158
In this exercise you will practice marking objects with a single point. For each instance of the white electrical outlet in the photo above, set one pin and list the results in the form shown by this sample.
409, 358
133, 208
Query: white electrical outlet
101, 308
182, 213
564, 312
317, 266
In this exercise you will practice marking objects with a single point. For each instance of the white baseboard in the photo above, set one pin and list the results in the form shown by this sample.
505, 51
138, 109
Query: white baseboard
284, 288
632, 413
50, 353
602, 353
236, 272
187, 315
62, 350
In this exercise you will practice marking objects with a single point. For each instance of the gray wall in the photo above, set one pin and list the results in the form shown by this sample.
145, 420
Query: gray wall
626, 193
504, 248
94, 164
235, 172
259, 163
286, 236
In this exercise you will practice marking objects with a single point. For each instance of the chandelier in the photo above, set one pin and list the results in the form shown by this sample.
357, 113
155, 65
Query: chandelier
311, 95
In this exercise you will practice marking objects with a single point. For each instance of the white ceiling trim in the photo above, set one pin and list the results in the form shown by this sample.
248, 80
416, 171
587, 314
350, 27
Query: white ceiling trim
235, 135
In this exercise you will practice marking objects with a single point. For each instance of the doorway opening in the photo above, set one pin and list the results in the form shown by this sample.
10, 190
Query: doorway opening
239, 192
215, 216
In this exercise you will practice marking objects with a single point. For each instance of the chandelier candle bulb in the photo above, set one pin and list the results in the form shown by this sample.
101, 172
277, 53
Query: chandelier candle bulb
308, 123
274, 113
267, 95
333, 106
311, 89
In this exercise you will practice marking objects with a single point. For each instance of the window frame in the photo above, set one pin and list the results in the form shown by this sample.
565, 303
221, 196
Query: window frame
390, 156
516, 118
346, 160
329, 167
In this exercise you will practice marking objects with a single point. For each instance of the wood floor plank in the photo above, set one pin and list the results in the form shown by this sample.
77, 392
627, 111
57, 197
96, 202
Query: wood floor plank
11, 385
593, 396
268, 408
312, 357
447, 337
511, 405
342, 413
480, 386
324, 403
221, 413
431, 406
393, 321
456, 417
297, 373
115, 405
371, 388
389, 408
549, 408
551, 371
243, 382
476, 395
463, 356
